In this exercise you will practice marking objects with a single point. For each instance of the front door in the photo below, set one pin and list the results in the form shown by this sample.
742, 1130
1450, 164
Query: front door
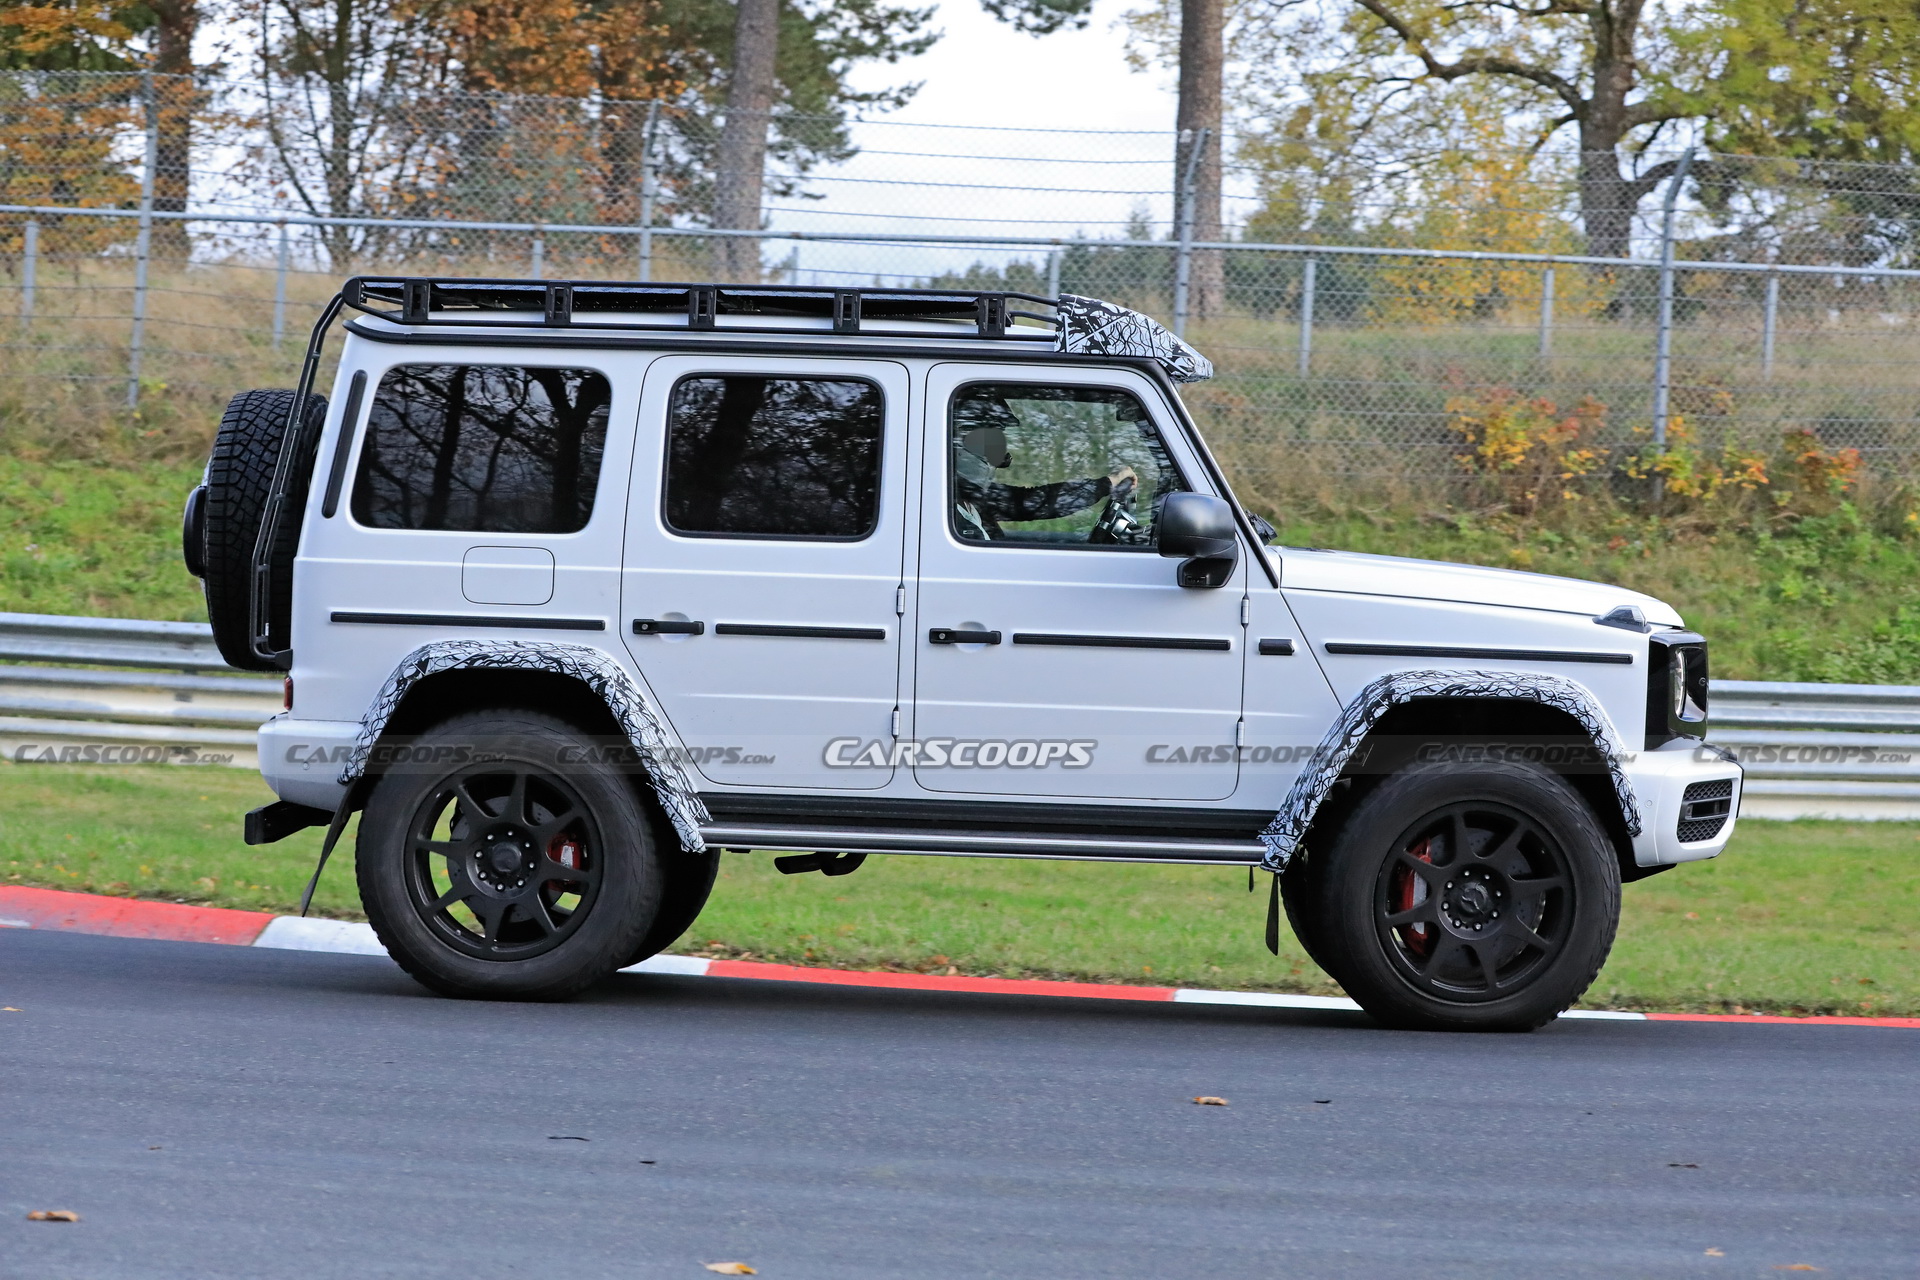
763, 561
1054, 653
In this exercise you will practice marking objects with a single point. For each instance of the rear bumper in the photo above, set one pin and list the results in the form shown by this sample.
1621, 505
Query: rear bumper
1660, 781
302, 759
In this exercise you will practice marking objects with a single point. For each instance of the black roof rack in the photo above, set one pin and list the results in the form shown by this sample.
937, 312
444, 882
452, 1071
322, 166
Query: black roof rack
594, 304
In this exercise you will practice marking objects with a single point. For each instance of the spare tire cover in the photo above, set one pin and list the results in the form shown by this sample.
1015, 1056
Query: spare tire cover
238, 479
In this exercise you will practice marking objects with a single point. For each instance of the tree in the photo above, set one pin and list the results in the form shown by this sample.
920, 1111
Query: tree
1574, 62
1198, 118
743, 142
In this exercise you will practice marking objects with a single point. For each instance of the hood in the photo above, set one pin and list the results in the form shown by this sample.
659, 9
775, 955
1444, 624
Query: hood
1353, 573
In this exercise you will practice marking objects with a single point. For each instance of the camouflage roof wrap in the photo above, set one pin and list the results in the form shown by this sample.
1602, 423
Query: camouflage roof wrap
1089, 326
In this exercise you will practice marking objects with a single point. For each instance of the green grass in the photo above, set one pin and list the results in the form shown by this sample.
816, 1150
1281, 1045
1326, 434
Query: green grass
1805, 917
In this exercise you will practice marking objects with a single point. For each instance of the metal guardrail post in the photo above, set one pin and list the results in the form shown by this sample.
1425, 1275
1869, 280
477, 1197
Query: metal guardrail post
1663, 340
1768, 326
143, 242
280, 288
1053, 273
538, 259
29, 268
1307, 275
1196, 141
1546, 313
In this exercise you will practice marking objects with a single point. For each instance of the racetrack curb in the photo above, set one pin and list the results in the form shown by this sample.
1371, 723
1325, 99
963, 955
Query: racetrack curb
63, 911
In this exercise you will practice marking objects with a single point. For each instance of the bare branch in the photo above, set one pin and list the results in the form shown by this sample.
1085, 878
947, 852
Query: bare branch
1493, 65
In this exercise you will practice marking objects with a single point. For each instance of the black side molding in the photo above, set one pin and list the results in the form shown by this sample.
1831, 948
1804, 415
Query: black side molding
282, 818
799, 633
1497, 655
1277, 648
1122, 642
469, 620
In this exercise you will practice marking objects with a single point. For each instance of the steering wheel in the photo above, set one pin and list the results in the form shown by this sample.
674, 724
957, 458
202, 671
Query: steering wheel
1116, 522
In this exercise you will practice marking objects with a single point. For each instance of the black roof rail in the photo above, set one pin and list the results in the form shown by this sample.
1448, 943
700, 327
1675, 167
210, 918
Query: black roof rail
597, 304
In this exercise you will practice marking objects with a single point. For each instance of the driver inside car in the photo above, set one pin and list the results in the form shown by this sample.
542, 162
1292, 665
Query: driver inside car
980, 502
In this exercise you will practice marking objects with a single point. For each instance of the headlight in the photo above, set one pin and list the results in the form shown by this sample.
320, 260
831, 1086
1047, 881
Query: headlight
1676, 687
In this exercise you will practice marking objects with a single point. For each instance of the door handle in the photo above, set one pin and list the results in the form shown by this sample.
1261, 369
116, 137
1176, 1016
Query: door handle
947, 635
667, 627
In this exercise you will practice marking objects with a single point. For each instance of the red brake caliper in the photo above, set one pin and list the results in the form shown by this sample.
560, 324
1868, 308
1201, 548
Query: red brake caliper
568, 852
1409, 891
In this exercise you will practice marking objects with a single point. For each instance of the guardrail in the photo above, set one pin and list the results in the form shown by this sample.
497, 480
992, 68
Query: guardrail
1810, 750
170, 710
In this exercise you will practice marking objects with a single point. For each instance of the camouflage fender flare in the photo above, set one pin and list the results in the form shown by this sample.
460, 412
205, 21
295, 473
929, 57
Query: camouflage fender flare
593, 668
1282, 836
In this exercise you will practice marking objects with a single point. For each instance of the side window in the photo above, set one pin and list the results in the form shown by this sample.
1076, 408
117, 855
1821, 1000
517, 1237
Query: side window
483, 448
1034, 465
774, 457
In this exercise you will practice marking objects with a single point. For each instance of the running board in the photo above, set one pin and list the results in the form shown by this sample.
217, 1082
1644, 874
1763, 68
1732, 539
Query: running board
975, 844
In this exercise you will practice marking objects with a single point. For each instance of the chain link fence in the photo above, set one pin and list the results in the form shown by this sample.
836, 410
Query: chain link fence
167, 240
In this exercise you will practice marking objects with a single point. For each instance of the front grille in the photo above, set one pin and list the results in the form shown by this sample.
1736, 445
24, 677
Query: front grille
1704, 809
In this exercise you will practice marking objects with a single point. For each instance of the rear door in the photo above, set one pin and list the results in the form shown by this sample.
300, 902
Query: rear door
762, 573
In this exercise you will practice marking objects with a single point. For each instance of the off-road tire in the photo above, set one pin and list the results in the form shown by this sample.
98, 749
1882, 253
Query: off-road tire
225, 520
526, 955
688, 882
1537, 866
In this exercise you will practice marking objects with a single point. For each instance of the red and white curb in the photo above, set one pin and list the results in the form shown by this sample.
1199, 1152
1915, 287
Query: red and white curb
22, 908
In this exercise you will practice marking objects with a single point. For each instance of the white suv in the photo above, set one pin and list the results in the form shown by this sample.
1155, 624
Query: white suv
578, 584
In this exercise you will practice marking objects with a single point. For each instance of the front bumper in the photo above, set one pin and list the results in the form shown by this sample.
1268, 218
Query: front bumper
302, 759
1660, 780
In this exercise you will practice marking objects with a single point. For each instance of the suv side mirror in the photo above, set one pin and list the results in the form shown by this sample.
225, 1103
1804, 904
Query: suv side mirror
1198, 528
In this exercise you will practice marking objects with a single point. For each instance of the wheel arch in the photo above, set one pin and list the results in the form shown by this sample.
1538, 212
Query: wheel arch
578, 683
1400, 715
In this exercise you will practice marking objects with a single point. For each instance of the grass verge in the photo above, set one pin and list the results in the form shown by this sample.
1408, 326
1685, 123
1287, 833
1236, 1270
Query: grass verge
1803, 917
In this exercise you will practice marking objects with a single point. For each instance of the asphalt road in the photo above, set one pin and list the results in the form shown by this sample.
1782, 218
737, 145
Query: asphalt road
226, 1112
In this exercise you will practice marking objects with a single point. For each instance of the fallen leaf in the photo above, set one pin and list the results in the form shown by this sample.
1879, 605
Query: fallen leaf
53, 1215
1797, 1266
1207, 1100
730, 1268
153, 1148
1322, 1101
566, 1137
9, 1009
1715, 1253
1674, 1164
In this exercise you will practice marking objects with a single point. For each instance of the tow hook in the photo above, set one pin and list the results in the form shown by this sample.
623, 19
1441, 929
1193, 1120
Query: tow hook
827, 864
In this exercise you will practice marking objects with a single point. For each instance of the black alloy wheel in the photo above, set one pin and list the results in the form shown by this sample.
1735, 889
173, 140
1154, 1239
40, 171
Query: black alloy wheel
503, 862
1476, 900
1479, 898
501, 872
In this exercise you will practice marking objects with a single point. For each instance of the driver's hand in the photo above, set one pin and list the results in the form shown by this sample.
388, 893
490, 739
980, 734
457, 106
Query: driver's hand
1122, 474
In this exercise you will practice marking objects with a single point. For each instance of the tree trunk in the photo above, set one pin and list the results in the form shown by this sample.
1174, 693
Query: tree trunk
1202, 54
174, 24
739, 175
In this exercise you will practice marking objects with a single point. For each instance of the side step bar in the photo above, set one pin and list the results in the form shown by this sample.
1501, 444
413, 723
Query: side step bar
975, 844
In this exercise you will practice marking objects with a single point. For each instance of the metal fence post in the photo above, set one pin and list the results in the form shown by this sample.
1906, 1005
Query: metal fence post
1053, 273
280, 288
538, 266
29, 268
143, 243
1546, 313
1769, 324
1663, 341
1306, 316
647, 181
1183, 258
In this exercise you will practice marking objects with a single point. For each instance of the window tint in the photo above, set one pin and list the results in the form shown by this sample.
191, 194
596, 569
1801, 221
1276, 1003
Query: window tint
487, 448
774, 457
1033, 465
